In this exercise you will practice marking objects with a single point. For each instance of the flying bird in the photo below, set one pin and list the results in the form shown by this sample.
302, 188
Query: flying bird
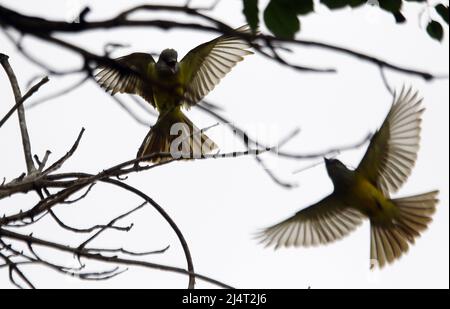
365, 193
169, 84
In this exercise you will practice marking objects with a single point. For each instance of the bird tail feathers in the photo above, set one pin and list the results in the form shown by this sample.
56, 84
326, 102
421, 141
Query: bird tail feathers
174, 136
390, 241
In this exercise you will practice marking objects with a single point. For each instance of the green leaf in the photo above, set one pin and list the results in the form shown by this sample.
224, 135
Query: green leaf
335, 4
399, 18
281, 20
356, 3
442, 10
435, 30
301, 7
393, 6
251, 13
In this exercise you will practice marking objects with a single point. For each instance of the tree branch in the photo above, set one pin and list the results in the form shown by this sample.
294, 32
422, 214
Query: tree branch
98, 257
30, 92
13, 268
21, 113
43, 29
109, 225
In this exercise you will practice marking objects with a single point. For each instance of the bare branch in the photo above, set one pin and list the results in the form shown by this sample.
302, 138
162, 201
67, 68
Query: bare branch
68, 185
25, 53
277, 57
87, 230
25, 184
42, 29
128, 252
41, 164
143, 105
59, 93
13, 268
385, 81
21, 112
23, 222
169, 220
88, 190
108, 259
359, 55
57, 165
30, 92
109, 225
81, 180
73, 272
130, 112
297, 156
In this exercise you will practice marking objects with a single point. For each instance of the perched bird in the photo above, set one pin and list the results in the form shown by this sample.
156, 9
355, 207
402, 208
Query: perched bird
169, 85
364, 193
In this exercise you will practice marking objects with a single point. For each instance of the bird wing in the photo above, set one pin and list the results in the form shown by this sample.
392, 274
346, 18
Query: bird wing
204, 66
133, 80
392, 152
321, 223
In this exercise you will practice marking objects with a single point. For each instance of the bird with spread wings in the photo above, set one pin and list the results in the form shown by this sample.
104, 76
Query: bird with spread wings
364, 193
168, 85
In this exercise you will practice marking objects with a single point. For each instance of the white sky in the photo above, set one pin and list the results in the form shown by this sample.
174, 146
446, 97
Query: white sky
220, 204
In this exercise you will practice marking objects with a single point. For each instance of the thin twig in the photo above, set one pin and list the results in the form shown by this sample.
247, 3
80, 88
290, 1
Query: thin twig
28, 239
87, 230
55, 166
88, 190
78, 181
143, 105
109, 225
14, 268
73, 272
24, 52
169, 220
385, 80
128, 252
41, 165
21, 112
26, 224
137, 118
27, 24
24, 98
58, 93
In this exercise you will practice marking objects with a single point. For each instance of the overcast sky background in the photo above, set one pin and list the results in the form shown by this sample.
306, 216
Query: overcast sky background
219, 204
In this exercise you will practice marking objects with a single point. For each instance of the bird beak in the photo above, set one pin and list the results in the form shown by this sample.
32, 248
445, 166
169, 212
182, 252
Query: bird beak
327, 161
173, 66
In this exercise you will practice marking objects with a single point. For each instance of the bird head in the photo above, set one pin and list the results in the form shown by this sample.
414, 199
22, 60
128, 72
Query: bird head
168, 61
337, 171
